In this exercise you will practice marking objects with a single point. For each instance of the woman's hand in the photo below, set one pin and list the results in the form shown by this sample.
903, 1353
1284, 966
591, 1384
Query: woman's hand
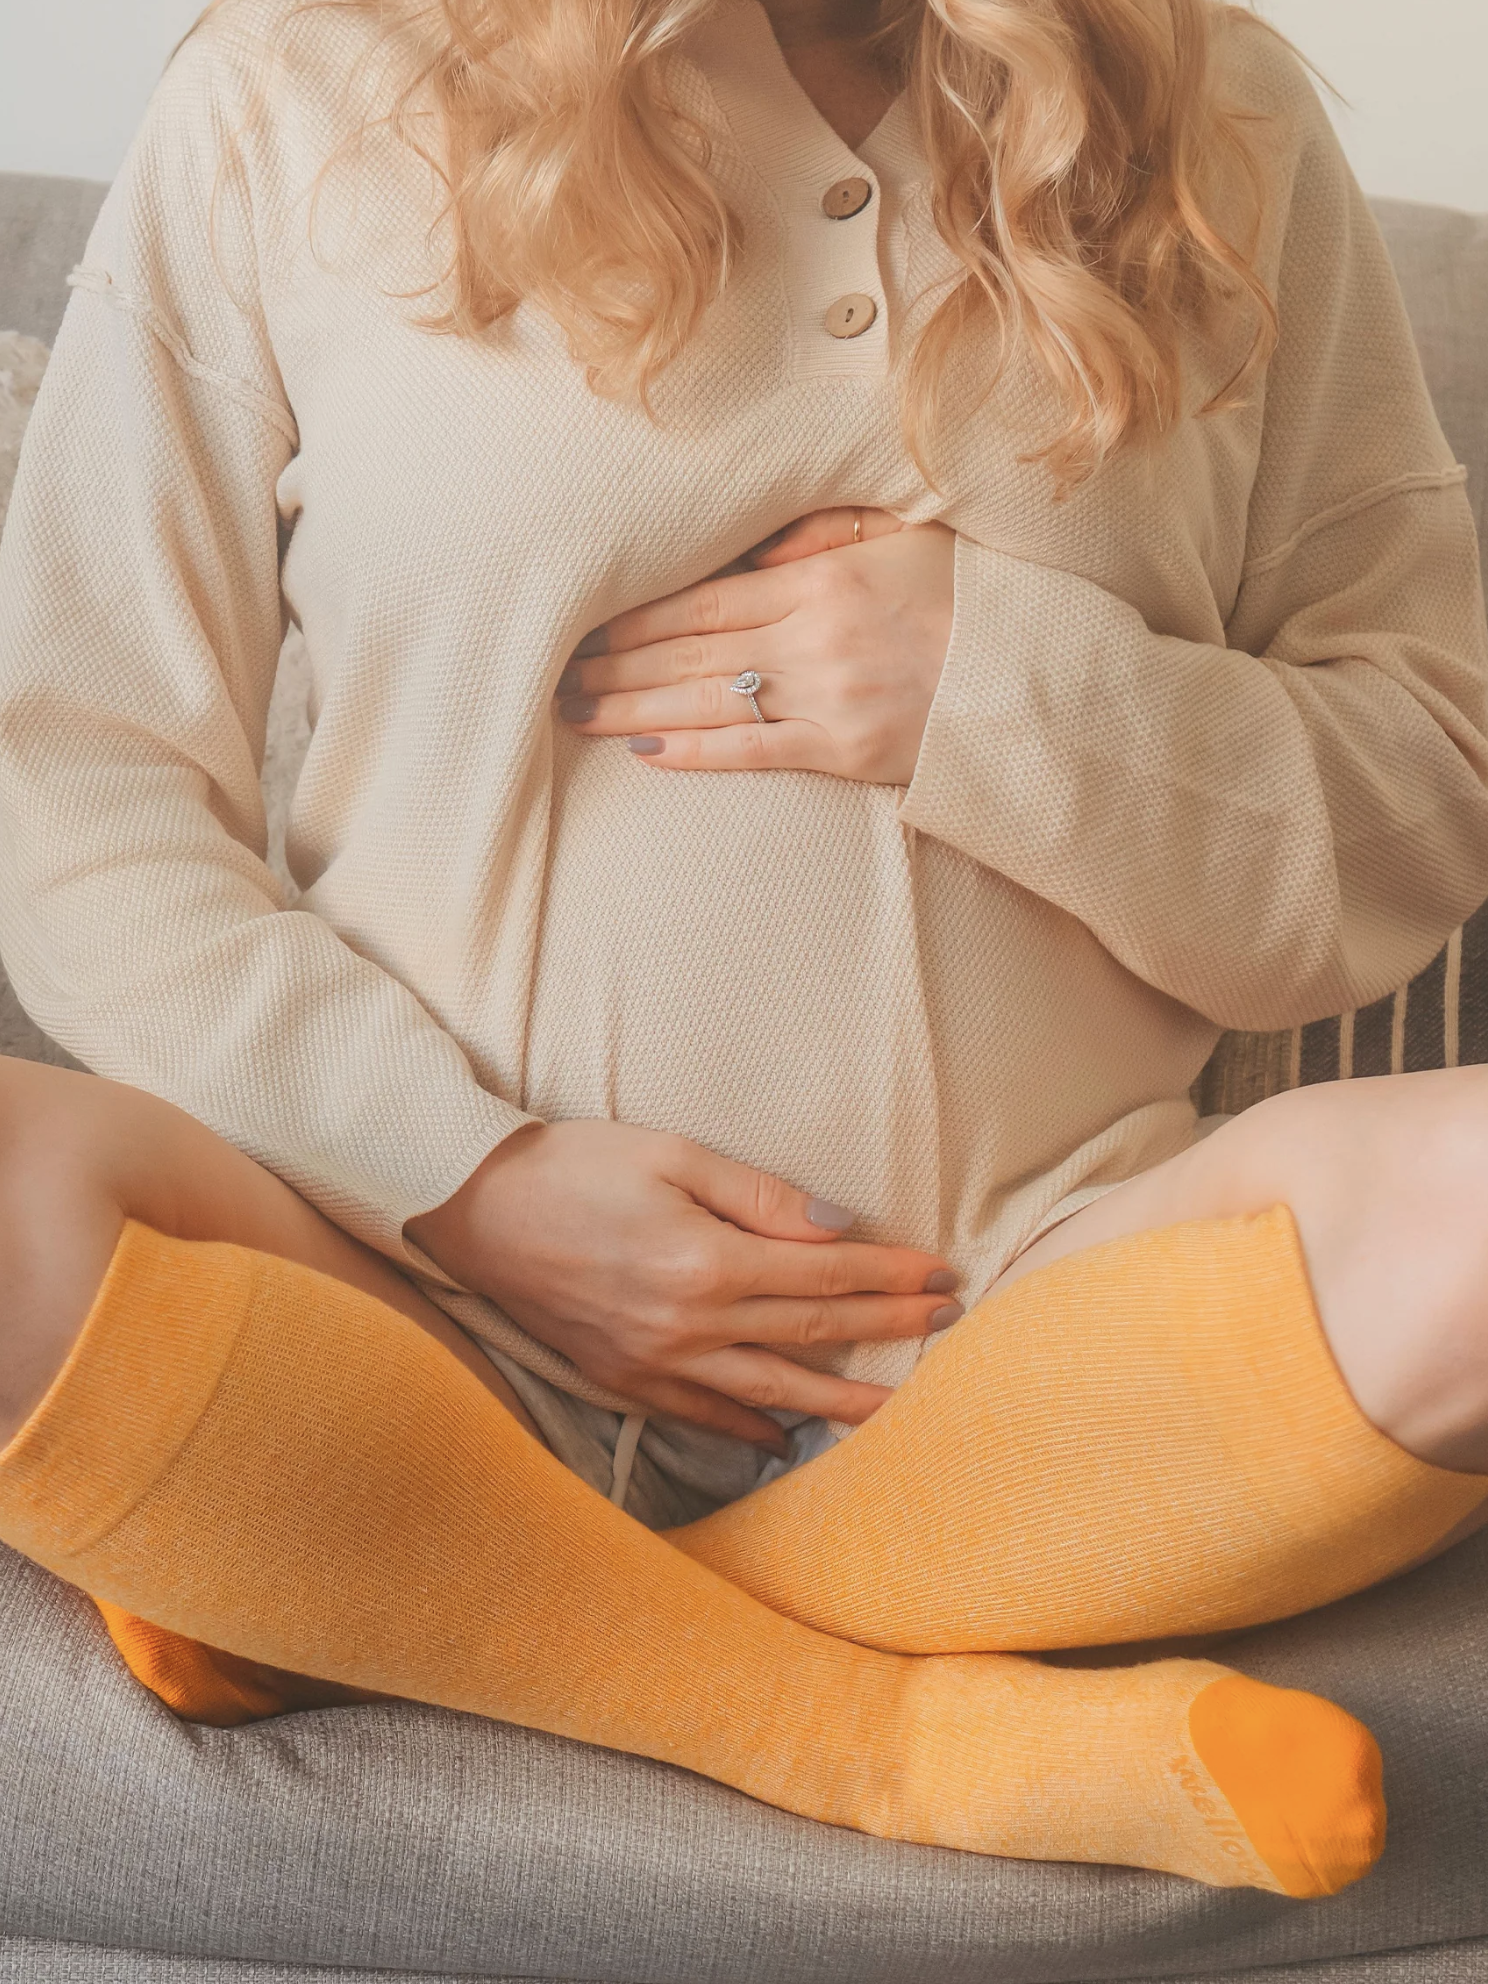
849, 639
678, 1277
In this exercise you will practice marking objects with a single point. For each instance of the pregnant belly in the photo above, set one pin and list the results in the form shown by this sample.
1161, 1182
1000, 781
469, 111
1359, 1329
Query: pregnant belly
734, 957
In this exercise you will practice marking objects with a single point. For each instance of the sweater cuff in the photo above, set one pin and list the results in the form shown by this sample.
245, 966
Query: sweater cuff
993, 776
486, 1122
414, 1174
1036, 692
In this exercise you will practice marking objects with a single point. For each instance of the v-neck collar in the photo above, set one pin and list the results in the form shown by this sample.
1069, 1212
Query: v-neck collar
770, 111
797, 158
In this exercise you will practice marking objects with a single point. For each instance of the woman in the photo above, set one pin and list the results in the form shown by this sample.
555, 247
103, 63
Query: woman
851, 932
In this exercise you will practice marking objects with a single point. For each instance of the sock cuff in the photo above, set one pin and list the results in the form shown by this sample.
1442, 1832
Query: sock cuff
150, 1355
1266, 1374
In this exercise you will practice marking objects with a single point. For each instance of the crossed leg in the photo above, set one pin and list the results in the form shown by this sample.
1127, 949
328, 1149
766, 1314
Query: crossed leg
295, 1469
1182, 1412
1385, 1179
79, 1157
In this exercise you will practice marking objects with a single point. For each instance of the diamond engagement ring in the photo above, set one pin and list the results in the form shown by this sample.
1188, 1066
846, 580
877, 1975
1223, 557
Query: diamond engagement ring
749, 684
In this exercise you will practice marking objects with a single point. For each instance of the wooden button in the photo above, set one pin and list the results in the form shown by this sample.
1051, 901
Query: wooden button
850, 316
846, 198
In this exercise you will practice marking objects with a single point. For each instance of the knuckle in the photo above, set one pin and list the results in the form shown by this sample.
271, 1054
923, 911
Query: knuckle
693, 1273
847, 686
705, 608
694, 660
835, 1274
818, 1323
769, 1390
766, 1195
718, 701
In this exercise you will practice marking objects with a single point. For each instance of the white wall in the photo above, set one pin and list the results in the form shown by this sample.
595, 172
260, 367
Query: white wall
74, 76
1414, 73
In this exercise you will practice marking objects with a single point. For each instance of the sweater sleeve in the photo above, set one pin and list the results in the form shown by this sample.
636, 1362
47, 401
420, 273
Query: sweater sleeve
1291, 824
140, 626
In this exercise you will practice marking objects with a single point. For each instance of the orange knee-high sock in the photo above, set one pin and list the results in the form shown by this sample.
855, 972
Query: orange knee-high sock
268, 1461
1145, 1440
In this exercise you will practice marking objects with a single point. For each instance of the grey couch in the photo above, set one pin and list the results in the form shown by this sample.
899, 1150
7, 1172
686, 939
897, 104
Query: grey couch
400, 1841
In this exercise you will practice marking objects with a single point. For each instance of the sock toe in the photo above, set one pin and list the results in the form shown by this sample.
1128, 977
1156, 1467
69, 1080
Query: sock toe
1303, 1777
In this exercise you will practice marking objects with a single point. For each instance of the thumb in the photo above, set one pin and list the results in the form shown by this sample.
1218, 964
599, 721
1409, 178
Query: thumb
756, 1201
823, 530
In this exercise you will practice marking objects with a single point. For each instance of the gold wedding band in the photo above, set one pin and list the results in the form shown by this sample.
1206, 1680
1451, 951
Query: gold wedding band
857, 526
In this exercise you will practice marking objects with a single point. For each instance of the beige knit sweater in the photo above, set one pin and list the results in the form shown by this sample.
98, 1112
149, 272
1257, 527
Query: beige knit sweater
1208, 750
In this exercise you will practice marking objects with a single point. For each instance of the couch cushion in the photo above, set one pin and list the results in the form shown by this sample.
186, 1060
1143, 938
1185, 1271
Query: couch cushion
1439, 1020
401, 1837
28, 1960
44, 227
23, 360
1441, 258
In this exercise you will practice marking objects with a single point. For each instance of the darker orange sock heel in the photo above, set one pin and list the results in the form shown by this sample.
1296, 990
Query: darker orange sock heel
204, 1684
1302, 1776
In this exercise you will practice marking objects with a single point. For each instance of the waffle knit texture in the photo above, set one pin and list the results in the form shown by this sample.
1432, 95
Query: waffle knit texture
261, 1459
1208, 749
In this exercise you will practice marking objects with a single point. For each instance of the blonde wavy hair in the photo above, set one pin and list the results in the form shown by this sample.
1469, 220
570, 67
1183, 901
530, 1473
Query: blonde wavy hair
1079, 151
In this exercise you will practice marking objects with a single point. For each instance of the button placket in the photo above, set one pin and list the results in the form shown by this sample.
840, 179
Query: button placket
849, 248
826, 199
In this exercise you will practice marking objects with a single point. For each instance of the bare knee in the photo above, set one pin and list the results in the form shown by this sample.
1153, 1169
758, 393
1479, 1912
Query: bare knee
59, 1225
1388, 1180
79, 1156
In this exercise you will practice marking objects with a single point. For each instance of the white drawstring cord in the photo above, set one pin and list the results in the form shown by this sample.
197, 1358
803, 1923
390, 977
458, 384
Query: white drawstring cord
625, 1453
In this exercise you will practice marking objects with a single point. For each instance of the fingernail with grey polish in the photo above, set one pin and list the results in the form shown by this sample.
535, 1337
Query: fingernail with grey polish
646, 747
836, 1219
578, 709
571, 681
944, 1281
942, 1318
592, 644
